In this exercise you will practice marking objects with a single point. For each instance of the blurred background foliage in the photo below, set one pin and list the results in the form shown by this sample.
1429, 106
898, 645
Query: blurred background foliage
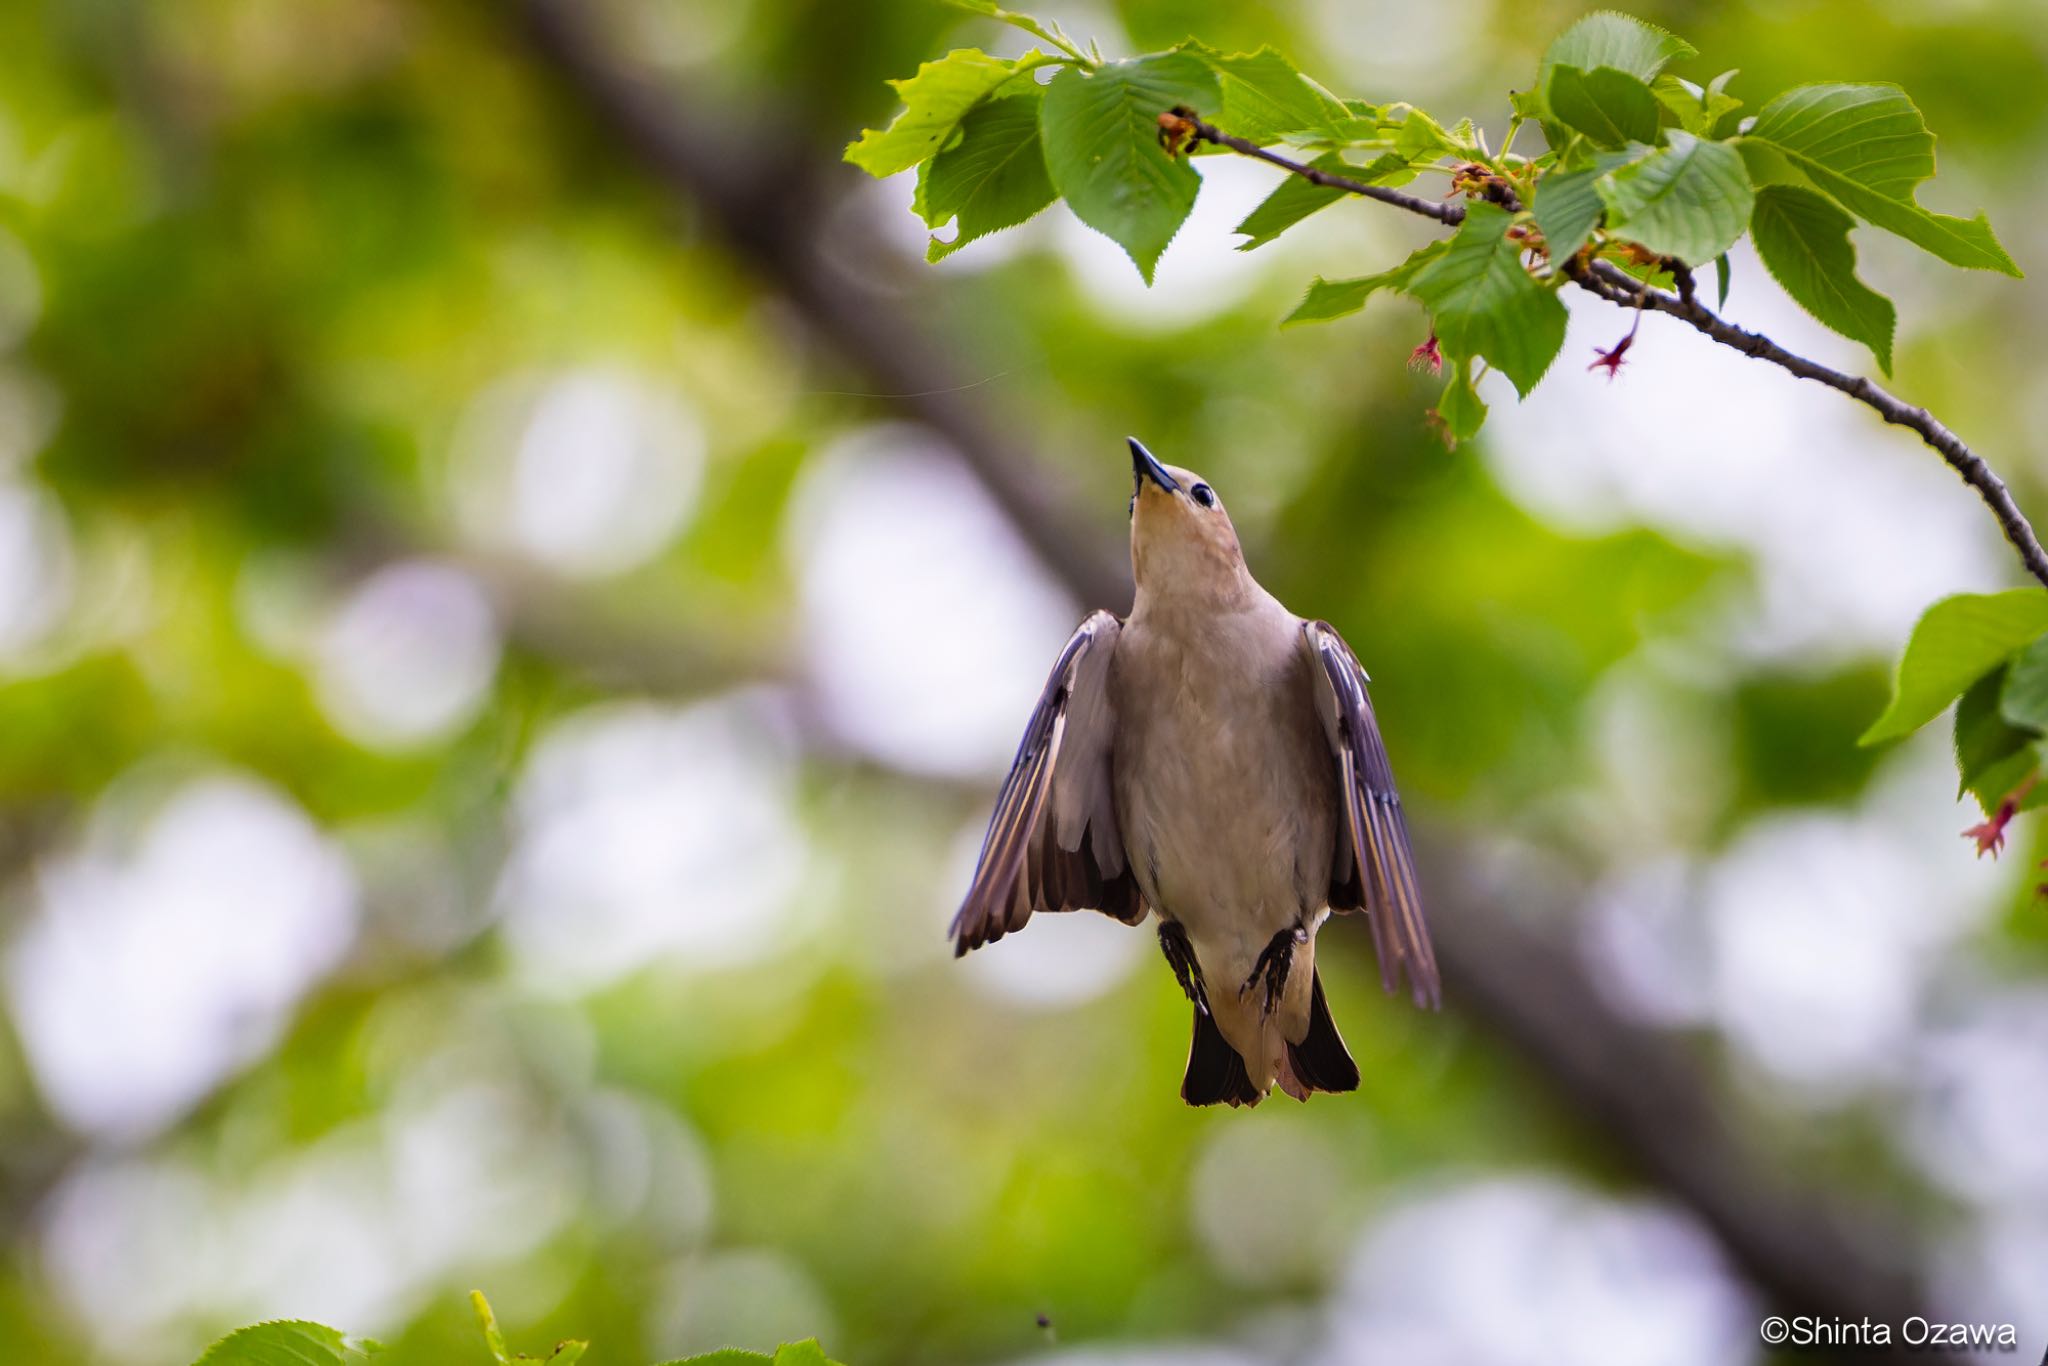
496, 706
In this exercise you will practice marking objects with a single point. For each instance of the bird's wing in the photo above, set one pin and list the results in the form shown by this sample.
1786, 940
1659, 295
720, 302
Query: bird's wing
1374, 870
1053, 842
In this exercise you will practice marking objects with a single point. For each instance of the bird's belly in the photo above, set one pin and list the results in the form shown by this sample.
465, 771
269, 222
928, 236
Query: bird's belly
1228, 840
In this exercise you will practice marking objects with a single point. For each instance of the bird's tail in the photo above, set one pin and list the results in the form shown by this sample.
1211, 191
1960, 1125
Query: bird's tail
1320, 1062
1216, 1073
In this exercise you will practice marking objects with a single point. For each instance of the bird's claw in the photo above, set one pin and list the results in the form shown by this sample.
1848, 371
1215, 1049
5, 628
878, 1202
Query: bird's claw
1272, 967
1180, 956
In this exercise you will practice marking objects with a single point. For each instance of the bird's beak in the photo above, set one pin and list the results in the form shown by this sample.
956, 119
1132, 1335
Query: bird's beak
1144, 467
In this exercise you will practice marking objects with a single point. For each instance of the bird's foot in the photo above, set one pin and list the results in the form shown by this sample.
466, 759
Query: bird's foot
1180, 956
1272, 967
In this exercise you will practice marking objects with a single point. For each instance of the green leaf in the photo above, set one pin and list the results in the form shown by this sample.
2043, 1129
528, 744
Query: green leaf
1264, 96
1611, 107
1567, 204
1568, 207
487, 1321
565, 1353
1101, 134
1721, 281
1297, 198
2024, 700
1627, 44
1992, 755
805, 1353
1418, 138
1485, 304
286, 1343
1804, 240
1294, 200
1720, 104
1459, 408
1868, 148
1957, 641
1691, 200
993, 177
1328, 299
1698, 111
934, 101
1051, 33
1347, 123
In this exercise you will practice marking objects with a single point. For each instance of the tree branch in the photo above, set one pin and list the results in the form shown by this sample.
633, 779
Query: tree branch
1610, 282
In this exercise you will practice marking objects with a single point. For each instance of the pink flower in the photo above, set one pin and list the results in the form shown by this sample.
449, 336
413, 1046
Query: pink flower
1428, 355
1611, 361
1990, 835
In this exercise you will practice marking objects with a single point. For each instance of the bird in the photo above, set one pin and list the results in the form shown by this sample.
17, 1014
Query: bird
1214, 761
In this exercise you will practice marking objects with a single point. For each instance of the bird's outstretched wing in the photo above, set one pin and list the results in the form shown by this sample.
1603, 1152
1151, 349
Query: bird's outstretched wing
1053, 843
1374, 870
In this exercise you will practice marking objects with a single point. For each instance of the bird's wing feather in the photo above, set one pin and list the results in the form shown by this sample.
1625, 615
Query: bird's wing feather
1374, 870
1053, 842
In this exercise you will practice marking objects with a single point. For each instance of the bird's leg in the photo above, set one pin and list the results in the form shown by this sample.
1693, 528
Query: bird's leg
1180, 956
1274, 961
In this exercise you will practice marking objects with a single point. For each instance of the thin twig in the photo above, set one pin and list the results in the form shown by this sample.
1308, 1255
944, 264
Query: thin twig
1617, 286
1451, 214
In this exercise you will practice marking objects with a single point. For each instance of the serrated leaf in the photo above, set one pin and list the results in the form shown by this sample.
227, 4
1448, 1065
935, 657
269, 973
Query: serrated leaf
994, 177
1051, 33
1804, 241
1966, 242
1100, 131
1698, 111
1291, 201
1459, 407
1609, 106
1295, 198
1567, 207
1691, 200
1993, 756
1419, 138
1868, 148
1485, 304
1328, 299
286, 1343
1607, 38
2024, 699
805, 1353
1957, 641
934, 101
1349, 123
1264, 96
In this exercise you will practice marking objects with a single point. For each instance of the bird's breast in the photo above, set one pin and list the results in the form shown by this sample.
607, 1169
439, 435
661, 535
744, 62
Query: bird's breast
1224, 784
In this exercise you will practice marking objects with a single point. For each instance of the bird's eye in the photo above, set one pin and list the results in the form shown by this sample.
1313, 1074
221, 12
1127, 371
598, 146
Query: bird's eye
1204, 495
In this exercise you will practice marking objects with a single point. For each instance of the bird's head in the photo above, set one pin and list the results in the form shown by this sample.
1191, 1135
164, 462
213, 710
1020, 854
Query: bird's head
1182, 542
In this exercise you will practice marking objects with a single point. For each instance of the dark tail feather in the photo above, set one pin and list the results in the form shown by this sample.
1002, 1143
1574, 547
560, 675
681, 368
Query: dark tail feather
1320, 1060
1216, 1073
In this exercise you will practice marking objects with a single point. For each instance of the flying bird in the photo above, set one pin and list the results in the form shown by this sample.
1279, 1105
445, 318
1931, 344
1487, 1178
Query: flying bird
1212, 760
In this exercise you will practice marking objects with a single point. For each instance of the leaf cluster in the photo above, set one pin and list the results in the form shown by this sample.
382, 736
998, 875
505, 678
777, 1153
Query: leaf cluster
1642, 167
